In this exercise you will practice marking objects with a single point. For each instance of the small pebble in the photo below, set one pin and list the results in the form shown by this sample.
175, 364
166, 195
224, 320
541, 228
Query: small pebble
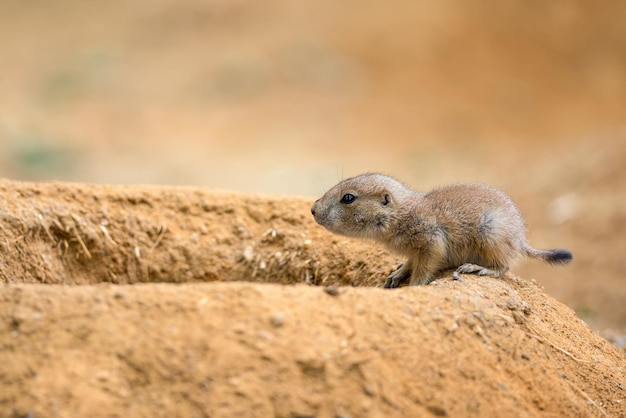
239, 328
278, 319
512, 304
248, 253
332, 290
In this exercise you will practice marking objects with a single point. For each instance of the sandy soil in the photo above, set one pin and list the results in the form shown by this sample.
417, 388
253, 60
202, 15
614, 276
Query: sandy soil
292, 324
288, 99
147, 300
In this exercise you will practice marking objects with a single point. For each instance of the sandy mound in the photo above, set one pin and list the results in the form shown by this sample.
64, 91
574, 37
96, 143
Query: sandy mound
481, 347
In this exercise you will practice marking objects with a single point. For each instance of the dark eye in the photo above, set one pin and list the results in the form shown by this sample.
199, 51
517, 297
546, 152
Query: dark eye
348, 198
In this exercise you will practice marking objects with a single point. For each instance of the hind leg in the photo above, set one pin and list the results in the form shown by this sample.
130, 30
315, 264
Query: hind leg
470, 268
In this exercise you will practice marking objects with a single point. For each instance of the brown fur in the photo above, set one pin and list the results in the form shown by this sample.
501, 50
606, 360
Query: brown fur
473, 228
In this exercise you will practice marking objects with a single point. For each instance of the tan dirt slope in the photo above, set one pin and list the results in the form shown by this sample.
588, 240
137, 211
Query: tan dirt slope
87, 331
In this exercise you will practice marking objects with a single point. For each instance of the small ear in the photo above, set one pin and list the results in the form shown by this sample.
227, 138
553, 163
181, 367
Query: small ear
386, 199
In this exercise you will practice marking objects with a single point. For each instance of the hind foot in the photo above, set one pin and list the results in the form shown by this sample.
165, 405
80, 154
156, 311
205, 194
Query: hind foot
469, 268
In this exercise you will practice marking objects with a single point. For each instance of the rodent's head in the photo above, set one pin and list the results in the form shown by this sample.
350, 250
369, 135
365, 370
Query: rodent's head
363, 206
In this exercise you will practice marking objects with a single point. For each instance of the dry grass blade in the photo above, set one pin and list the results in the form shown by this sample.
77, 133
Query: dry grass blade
567, 353
588, 399
4, 275
105, 231
45, 227
77, 223
162, 231
82, 244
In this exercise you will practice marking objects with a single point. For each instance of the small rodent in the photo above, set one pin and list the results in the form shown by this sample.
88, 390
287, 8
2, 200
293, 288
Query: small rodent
473, 228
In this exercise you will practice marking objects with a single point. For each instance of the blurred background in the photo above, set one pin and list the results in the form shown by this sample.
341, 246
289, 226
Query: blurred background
289, 97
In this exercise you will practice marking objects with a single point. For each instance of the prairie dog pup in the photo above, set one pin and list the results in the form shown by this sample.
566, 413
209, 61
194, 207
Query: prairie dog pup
473, 228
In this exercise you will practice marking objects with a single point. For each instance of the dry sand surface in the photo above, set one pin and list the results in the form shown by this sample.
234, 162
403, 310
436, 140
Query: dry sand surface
260, 312
172, 301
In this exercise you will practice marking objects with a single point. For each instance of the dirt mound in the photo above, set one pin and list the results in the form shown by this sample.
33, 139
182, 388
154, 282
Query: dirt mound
82, 234
480, 347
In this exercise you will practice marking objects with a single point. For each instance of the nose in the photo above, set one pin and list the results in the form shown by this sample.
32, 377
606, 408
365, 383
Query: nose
313, 207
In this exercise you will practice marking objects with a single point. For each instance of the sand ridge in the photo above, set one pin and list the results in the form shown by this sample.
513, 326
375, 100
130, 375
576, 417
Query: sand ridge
158, 301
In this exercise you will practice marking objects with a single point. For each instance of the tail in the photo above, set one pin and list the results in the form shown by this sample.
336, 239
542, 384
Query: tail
550, 256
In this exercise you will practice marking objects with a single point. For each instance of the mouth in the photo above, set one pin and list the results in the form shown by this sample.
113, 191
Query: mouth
323, 221
319, 221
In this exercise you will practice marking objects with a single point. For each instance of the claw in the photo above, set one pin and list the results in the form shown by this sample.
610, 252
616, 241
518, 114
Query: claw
469, 268
397, 277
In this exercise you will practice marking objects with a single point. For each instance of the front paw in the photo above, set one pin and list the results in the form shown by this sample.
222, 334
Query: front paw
389, 284
397, 277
